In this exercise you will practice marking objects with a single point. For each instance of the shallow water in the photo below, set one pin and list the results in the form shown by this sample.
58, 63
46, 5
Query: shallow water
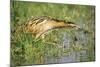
67, 43
74, 57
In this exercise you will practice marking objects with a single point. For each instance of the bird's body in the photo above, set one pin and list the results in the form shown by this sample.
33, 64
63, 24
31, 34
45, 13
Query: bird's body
40, 25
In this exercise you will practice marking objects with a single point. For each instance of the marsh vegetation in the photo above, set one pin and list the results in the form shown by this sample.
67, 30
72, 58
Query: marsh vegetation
58, 45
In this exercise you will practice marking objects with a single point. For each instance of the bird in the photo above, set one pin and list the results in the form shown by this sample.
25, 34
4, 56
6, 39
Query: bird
40, 25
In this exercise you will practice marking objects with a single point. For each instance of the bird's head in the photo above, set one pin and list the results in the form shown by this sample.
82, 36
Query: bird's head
72, 25
64, 24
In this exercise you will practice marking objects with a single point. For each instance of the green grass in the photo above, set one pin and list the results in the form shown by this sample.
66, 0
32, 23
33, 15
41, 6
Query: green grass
25, 49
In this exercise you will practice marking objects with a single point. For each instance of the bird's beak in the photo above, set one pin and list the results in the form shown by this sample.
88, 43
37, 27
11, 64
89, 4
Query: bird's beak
75, 26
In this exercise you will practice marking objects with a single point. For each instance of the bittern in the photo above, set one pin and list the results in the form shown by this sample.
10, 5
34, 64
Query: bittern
38, 26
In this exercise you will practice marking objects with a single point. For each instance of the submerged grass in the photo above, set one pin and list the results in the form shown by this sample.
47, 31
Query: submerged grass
26, 50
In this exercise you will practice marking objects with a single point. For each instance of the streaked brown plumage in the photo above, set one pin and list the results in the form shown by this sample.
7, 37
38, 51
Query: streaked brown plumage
40, 25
